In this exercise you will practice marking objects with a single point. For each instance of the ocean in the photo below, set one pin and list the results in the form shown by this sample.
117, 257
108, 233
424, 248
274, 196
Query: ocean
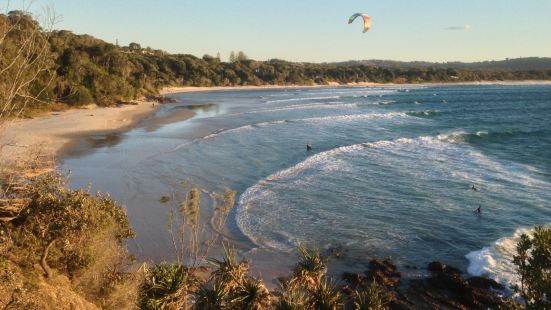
390, 173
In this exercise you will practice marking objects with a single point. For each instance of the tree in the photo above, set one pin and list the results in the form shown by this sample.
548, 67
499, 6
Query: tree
135, 47
233, 58
533, 260
26, 63
241, 56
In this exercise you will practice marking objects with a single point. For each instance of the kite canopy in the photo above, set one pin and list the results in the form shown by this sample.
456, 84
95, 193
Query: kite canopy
366, 19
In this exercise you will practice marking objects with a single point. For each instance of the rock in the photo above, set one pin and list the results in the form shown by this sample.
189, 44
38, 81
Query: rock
440, 267
446, 277
384, 272
354, 280
445, 288
484, 283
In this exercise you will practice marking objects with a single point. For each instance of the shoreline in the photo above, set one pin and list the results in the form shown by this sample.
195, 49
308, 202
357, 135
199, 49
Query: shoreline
56, 133
190, 89
52, 134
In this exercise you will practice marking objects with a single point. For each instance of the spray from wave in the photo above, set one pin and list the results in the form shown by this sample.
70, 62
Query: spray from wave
496, 260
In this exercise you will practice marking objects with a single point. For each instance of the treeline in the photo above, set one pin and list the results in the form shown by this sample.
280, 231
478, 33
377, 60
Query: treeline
516, 64
86, 69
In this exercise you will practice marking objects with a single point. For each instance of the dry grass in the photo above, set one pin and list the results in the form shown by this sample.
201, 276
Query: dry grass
14, 180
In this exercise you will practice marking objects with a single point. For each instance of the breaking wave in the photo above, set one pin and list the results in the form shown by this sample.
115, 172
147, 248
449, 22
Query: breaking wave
336, 118
496, 260
426, 114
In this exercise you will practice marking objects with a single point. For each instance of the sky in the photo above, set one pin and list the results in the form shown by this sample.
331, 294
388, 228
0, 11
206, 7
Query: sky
317, 30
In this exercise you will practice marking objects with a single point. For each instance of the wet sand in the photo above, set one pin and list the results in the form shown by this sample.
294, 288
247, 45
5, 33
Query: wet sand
51, 134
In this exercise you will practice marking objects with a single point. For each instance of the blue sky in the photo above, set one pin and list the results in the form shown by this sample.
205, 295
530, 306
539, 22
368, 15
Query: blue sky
317, 30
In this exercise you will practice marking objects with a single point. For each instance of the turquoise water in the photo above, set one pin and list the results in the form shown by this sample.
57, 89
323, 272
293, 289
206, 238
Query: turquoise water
389, 174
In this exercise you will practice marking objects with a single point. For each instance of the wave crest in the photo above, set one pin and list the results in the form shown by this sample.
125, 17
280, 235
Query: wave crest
426, 114
347, 117
496, 261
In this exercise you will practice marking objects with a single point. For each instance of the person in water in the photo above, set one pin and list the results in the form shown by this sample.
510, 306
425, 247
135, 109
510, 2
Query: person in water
308, 147
478, 210
474, 188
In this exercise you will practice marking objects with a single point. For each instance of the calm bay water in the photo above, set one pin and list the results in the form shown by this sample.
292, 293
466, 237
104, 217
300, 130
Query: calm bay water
389, 174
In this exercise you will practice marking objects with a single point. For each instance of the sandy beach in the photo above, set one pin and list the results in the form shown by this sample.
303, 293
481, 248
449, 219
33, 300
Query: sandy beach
188, 89
49, 134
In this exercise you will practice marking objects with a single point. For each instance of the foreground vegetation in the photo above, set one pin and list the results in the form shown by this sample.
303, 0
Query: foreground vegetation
71, 69
65, 248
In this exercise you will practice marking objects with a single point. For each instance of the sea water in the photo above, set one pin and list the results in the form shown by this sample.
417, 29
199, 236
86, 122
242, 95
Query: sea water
390, 174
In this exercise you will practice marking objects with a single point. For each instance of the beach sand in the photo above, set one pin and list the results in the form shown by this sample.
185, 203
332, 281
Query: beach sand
49, 134
188, 89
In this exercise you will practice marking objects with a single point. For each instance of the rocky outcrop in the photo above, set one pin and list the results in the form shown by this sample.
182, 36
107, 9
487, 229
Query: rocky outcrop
444, 288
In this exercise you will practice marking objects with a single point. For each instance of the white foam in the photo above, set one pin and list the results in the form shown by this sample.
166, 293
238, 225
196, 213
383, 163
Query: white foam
302, 99
346, 118
386, 102
453, 137
496, 260
328, 105
482, 133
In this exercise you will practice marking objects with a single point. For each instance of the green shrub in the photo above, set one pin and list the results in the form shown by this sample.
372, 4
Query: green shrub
167, 286
82, 96
311, 267
59, 225
533, 260
374, 298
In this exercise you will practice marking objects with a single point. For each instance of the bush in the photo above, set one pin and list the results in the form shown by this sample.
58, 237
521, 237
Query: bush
82, 96
167, 286
75, 235
374, 298
533, 260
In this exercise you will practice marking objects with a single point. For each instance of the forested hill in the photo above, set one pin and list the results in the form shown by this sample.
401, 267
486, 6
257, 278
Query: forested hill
516, 64
84, 69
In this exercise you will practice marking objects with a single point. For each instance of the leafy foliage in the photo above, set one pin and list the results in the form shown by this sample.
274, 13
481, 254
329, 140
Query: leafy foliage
374, 298
167, 287
327, 296
533, 260
64, 223
77, 239
26, 63
311, 267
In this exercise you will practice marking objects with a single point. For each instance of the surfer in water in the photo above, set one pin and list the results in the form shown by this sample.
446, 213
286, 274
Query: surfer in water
474, 188
308, 147
478, 210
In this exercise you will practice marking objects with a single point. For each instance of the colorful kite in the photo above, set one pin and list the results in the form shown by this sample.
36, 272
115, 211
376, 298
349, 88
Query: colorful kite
365, 17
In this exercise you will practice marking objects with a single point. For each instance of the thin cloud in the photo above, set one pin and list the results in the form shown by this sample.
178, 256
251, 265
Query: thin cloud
464, 28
